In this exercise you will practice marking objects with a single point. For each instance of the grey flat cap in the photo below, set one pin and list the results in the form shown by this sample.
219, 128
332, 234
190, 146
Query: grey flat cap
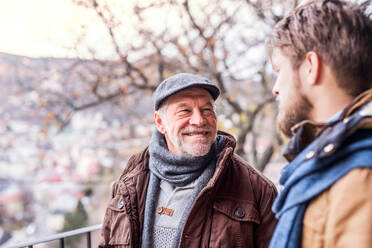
180, 82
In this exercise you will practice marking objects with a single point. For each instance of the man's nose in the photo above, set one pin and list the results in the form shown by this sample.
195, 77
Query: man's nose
275, 90
197, 118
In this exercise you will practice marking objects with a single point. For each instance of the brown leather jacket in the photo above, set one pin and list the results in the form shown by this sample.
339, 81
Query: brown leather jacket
233, 210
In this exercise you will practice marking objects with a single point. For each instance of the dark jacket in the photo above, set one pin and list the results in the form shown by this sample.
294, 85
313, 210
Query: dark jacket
233, 210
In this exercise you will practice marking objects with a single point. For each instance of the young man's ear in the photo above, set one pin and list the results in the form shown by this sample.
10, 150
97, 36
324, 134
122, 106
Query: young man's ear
311, 65
159, 123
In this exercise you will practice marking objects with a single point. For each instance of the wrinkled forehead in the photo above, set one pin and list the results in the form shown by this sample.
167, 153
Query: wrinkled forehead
191, 93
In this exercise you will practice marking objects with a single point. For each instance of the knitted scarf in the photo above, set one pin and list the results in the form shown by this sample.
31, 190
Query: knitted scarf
179, 171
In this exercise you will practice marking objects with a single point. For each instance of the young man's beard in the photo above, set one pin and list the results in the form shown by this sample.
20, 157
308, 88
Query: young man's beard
298, 111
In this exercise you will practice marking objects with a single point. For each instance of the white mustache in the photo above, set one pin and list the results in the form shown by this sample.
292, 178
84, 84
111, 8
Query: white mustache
197, 129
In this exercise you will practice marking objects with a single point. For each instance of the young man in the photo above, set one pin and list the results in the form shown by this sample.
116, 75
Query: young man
188, 188
322, 53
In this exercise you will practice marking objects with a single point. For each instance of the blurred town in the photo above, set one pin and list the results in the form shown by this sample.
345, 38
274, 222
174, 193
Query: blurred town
45, 173
69, 125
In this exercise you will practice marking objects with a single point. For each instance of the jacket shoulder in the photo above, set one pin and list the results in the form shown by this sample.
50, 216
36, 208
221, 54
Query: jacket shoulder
357, 181
244, 183
136, 163
256, 177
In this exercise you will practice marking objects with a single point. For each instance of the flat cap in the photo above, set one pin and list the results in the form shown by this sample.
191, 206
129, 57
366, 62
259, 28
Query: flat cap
180, 82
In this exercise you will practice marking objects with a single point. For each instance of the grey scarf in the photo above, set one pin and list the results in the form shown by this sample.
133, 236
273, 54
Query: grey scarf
179, 171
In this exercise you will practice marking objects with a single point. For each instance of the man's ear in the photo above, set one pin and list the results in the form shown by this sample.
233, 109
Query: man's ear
159, 123
312, 64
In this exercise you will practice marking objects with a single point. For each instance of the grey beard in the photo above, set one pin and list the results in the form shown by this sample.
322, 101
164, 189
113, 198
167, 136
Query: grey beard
203, 148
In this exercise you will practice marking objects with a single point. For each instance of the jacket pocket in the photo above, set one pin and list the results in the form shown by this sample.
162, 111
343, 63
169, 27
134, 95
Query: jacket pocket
233, 223
118, 222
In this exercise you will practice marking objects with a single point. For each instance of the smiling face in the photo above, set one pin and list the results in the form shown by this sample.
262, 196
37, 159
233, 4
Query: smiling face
188, 122
294, 105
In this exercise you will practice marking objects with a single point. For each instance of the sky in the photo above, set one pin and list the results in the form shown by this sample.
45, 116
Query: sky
47, 28
41, 28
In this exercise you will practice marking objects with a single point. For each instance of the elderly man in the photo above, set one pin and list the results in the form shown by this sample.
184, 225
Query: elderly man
188, 188
323, 55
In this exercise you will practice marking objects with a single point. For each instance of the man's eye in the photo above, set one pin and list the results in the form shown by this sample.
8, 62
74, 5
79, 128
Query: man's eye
208, 111
183, 111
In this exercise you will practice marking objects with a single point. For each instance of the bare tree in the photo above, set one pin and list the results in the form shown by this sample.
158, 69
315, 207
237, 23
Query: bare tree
150, 40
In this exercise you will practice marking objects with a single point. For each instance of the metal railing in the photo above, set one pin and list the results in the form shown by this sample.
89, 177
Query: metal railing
61, 237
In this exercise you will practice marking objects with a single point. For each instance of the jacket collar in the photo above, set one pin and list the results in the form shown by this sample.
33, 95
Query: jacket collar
307, 131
